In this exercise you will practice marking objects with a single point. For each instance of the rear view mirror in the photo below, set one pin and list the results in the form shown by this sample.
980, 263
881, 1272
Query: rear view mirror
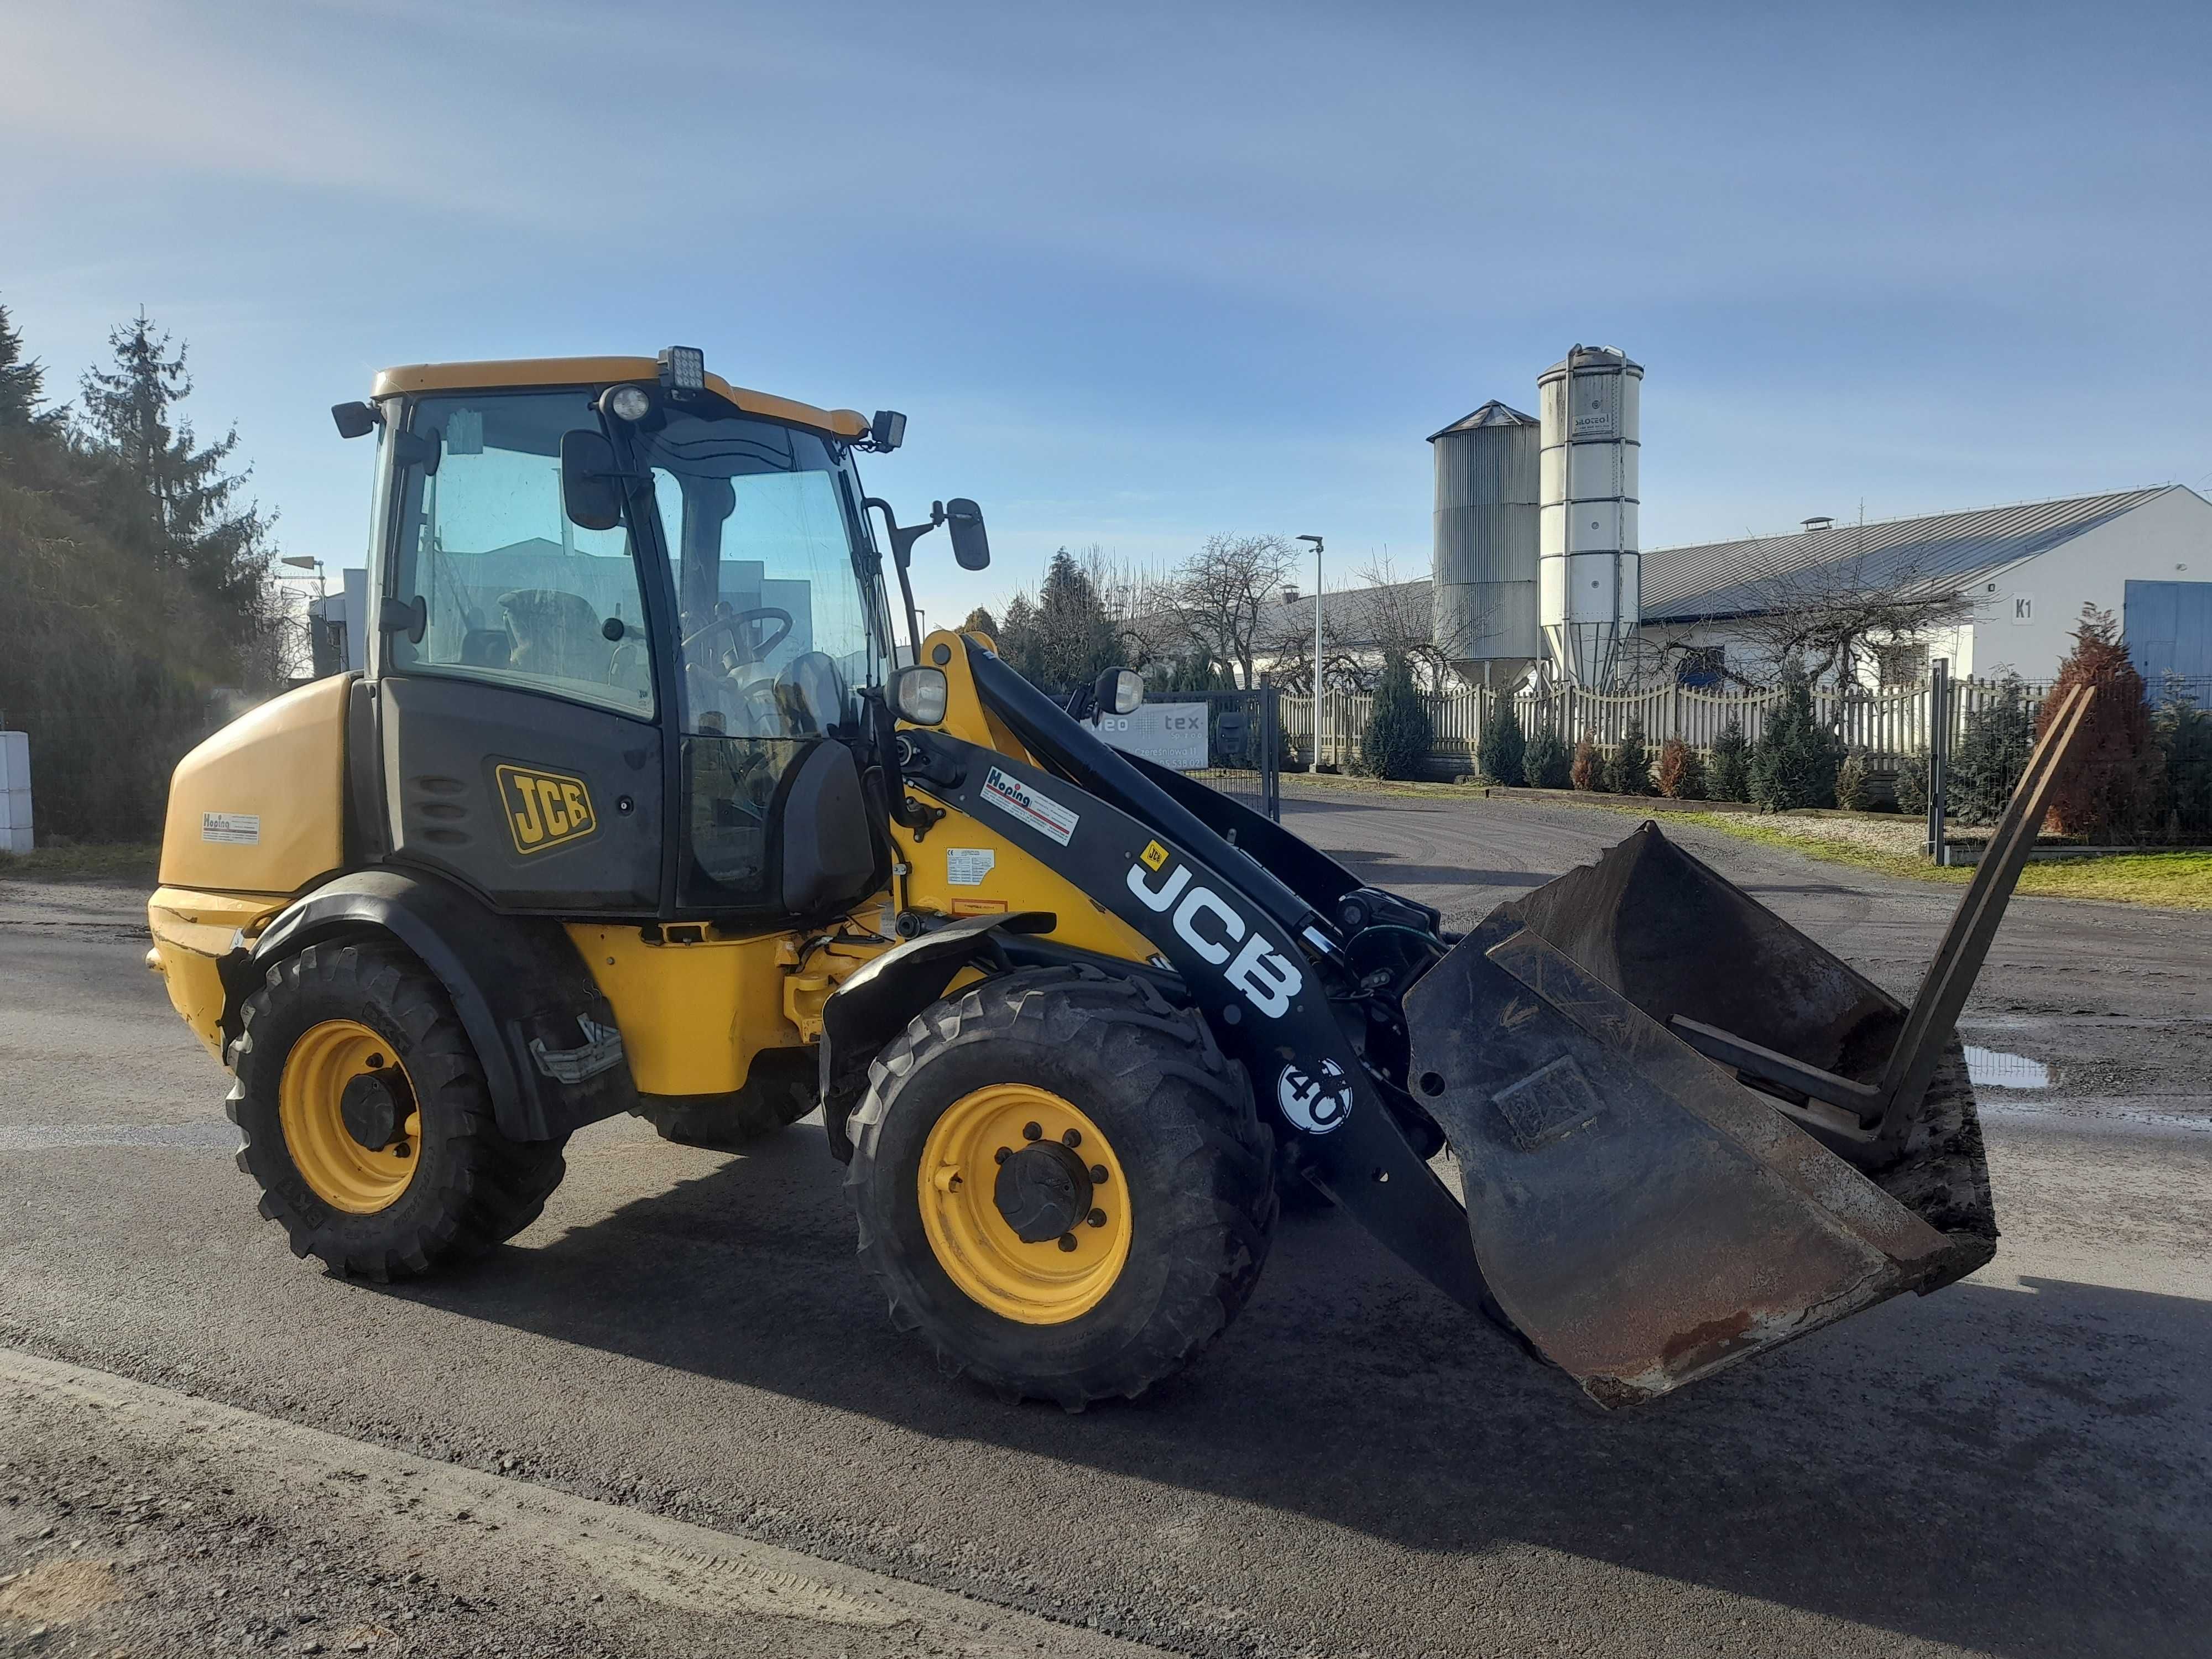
590, 492
1119, 691
969, 545
353, 420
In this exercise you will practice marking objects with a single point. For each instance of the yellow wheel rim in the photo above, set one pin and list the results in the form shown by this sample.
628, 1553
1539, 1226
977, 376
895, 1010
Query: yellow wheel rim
1053, 1281
344, 1174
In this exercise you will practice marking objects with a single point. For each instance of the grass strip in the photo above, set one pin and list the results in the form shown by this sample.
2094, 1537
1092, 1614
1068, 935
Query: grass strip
123, 861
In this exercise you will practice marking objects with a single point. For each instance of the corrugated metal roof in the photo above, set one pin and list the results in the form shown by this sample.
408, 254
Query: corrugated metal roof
1727, 579
1492, 413
1914, 556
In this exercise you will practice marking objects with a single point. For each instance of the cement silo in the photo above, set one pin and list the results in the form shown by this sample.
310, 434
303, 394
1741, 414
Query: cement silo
1591, 564
1485, 552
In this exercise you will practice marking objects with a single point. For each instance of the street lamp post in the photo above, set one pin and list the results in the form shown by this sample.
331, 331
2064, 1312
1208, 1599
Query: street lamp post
1317, 705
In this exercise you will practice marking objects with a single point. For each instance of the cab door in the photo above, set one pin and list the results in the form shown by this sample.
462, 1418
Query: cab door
518, 708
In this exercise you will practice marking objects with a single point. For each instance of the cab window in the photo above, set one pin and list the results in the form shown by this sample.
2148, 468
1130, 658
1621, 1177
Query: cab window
514, 591
777, 627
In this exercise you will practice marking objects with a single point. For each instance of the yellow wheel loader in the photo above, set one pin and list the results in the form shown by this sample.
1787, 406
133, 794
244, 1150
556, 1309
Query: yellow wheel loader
652, 799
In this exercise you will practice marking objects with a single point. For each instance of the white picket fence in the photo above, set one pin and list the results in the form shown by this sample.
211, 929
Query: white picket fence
1888, 724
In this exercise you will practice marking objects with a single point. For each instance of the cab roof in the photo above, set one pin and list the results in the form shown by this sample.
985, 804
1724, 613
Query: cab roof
603, 371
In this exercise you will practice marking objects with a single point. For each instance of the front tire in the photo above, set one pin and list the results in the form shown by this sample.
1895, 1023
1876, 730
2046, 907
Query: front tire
364, 1115
1062, 1184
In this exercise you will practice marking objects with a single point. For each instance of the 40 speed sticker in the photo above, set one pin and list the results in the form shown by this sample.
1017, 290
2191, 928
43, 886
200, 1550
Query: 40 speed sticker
1316, 1104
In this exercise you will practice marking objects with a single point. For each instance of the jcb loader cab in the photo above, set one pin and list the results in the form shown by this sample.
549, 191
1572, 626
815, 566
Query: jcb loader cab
652, 800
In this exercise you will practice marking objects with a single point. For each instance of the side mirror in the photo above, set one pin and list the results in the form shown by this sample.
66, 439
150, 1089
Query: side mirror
591, 491
408, 616
1118, 691
353, 420
970, 545
920, 695
424, 449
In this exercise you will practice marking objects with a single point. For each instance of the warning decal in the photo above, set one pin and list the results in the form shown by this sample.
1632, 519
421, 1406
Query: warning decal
966, 867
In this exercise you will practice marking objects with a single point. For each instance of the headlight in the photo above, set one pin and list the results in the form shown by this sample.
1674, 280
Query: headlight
920, 695
683, 369
630, 403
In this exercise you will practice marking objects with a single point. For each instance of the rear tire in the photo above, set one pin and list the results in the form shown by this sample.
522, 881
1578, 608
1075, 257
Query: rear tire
1193, 1181
779, 1091
466, 1187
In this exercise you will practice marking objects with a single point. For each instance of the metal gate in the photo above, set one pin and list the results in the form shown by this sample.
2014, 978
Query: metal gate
1243, 745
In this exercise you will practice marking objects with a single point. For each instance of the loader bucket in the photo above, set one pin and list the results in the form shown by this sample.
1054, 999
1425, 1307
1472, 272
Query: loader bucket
1675, 1136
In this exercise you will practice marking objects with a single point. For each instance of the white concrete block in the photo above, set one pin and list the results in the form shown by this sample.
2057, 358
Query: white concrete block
14, 760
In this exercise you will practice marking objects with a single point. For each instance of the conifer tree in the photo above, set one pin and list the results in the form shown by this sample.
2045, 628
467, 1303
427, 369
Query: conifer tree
187, 504
1729, 776
1398, 731
1796, 759
22, 385
1546, 765
1628, 769
1503, 749
2116, 773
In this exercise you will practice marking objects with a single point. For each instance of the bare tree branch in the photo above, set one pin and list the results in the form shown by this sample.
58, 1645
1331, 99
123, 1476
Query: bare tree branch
1825, 614
1212, 605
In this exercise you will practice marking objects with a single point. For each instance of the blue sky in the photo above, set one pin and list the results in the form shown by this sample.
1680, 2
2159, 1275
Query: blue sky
1139, 274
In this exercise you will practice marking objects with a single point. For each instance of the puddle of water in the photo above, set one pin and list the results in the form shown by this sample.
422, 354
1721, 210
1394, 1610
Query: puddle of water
1987, 1068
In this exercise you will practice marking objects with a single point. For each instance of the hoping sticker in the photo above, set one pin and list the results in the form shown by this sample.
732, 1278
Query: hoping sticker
1031, 805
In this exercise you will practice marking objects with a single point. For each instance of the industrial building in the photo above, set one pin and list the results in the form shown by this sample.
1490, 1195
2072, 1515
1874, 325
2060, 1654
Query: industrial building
1538, 565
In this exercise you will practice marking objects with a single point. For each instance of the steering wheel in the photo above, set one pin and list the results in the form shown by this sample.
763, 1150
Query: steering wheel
751, 649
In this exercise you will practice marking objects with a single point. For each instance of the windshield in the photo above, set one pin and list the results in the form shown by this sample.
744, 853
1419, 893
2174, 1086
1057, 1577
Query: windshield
780, 621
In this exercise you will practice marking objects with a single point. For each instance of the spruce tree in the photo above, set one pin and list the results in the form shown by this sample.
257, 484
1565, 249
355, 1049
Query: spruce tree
1399, 729
1729, 777
22, 385
187, 505
1546, 762
1796, 759
980, 621
1628, 771
2183, 733
1992, 756
1503, 751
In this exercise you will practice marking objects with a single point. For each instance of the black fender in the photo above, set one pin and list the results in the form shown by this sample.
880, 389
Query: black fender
543, 1032
878, 999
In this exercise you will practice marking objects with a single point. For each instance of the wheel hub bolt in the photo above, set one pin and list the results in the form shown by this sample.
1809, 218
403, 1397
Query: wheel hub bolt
1097, 1217
1067, 1240
1098, 1175
1072, 1138
1032, 1132
1002, 1154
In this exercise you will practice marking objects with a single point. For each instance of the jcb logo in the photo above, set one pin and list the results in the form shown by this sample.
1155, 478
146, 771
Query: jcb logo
1210, 925
544, 809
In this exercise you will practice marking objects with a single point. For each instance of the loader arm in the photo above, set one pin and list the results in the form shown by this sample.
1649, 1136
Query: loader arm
1262, 965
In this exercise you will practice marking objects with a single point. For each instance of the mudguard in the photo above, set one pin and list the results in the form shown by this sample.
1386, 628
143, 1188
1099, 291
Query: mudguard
546, 1037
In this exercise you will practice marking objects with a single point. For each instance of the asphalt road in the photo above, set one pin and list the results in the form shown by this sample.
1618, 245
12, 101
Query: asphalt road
2022, 1465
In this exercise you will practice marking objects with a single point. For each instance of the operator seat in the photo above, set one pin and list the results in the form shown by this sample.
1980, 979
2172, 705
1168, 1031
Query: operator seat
814, 694
556, 635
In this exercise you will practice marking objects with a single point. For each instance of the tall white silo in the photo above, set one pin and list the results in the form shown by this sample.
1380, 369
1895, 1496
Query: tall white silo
1590, 565
1484, 555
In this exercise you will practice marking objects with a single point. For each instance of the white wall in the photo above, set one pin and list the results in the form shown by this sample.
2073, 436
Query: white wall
2166, 539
